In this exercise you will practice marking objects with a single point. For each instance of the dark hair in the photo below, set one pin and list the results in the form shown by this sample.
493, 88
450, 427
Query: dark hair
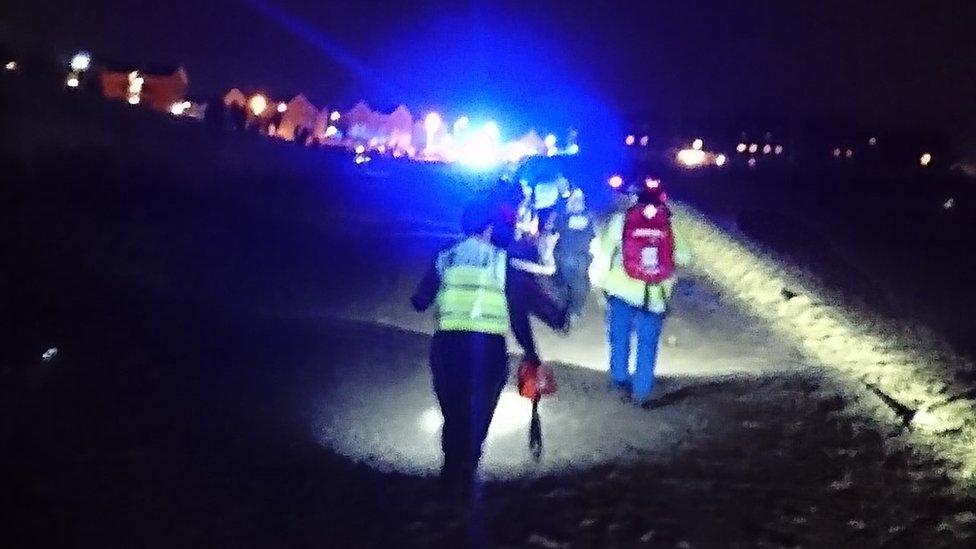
654, 197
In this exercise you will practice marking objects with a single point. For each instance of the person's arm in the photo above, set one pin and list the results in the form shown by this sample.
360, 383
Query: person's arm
518, 317
427, 290
525, 257
533, 268
603, 248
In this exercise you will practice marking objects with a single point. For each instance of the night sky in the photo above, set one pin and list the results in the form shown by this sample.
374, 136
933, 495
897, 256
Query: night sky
895, 62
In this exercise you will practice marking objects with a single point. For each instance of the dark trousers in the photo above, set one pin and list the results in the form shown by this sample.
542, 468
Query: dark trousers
572, 274
469, 369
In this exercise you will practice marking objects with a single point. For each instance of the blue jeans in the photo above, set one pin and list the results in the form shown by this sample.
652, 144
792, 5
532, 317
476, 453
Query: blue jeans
622, 319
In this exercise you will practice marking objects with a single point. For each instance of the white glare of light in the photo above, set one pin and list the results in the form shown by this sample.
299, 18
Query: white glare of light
873, 141
650, 211
652, 183
849, 153
550, 141
81, 61
741, 147
331, 131
134, 99
282, 107
72, 81
177, 109
630, 140
778, 149
753, 148
949, 204
836, 153
720, 160
645, 140
432, 122
258, 104
697, 144
49, 354
767, 149
362, 159
752, 162
360, 149
11, 66
381, 149
135, 82
481, 151
925, 159
509, 416
573, 148
336, 115
492, 130
615, 181
431, 420
551, 151
461, 123
691, 157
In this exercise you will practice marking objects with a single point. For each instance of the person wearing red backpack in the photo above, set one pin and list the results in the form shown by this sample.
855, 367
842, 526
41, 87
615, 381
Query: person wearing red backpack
640, 253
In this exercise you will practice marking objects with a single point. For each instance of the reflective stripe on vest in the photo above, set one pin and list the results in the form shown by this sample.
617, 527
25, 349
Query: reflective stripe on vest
472, 296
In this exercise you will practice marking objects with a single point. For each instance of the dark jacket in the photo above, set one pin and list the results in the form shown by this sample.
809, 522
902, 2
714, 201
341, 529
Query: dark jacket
575, 234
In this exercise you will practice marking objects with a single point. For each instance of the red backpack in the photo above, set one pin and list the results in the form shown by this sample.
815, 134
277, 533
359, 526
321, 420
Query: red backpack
648, 243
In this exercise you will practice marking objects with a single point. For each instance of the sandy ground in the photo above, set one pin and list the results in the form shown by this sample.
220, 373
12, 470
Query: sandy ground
230, 373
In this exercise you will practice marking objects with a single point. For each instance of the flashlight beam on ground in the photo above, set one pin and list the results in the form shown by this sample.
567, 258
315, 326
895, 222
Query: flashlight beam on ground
919, 375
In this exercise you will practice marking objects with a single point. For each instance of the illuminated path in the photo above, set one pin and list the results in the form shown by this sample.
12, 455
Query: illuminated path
585, 425
707, 337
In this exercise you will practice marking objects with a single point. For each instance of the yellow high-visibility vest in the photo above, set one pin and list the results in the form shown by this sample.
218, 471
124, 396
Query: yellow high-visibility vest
472, 293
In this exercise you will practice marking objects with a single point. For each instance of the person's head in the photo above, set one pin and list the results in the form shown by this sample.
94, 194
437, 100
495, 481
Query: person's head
652, 192
576, 203
489, 220
510, 191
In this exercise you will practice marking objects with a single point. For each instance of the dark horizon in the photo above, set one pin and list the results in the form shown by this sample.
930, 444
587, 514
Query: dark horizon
902, 65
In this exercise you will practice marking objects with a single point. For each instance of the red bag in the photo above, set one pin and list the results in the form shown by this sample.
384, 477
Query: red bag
648, 243
535, 380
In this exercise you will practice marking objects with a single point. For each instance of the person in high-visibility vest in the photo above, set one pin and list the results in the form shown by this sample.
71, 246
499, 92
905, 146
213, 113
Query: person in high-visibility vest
635, 304
475, 309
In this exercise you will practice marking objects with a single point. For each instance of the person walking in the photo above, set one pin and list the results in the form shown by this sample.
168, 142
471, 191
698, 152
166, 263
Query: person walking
574, 226
476, 307
641, 250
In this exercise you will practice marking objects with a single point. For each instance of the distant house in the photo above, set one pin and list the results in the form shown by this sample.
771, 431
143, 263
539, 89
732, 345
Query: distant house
400, 129
358, 121
298, 118
235, 98
322, 123
156, 87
